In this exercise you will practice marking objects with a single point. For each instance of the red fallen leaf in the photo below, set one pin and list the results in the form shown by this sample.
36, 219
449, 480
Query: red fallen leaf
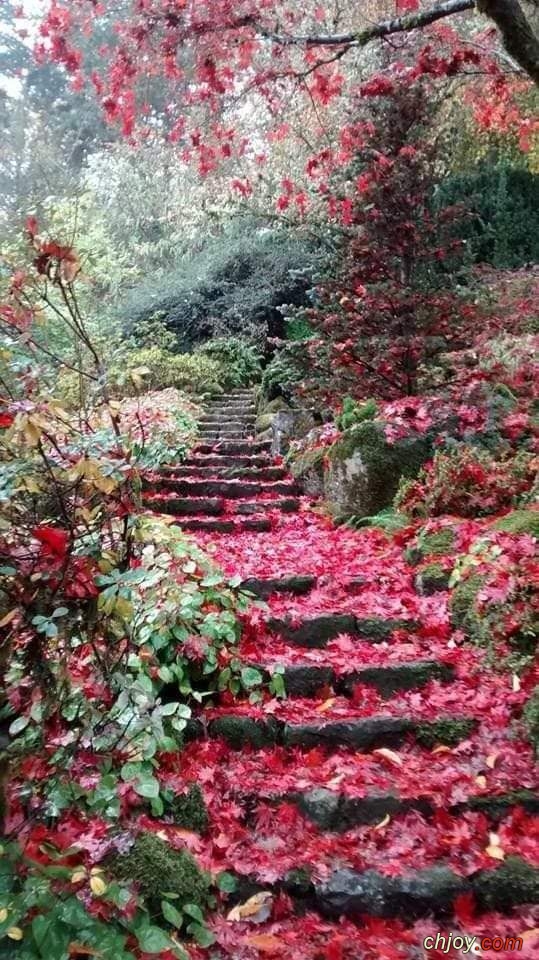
6, 419
53, 539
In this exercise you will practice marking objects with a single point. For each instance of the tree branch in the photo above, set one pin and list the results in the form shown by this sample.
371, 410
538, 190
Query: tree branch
377, 31
519, 39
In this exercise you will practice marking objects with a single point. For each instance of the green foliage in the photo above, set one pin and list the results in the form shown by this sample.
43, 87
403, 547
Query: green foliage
519, 521
238, 359
234, 286
387, 520
285, 371
462, 604
152, 368
502, 227
354, 412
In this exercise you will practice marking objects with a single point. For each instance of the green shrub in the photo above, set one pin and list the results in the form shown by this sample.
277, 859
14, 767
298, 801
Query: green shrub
236, 285
189, 809
239, 359
152, 368
353, 412
284, 372
503, 200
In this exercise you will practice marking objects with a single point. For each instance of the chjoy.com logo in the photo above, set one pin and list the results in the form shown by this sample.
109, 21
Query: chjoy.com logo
470, 945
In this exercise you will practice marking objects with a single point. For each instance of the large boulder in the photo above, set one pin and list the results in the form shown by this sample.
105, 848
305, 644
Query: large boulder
364, 470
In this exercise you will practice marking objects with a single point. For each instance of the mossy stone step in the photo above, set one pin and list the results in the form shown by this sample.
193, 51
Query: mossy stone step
263, 588
222, 460
230, 489
229, 473
338, 812
432, 891
235, 446
241, 525
363, 734
187, 506
285, 505
315, 632
305, 680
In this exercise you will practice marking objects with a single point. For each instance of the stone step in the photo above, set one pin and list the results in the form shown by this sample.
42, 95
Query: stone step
338, 812
230, 489
285, 505
186, 506
214, 436
265, 588
225, 423
229, 416
230, 473
316, 631
229, 447
234, 411
306, 679
240, 730
224, 461
240, 525
429, 892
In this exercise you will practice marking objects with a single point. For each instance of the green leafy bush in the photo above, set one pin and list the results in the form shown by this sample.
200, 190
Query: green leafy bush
239, 359
353, 412
236, 285
152, 368
503, 200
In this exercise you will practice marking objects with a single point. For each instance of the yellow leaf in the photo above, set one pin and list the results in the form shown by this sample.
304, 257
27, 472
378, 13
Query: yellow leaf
390, 755
494, 849
78, 876
8, 617
251, 907
383, 823
491, 760
528, 935
15, 933
495, 852
326, 705
516, 683
441, 748
98, 886
265, 943
481, 781
3, 915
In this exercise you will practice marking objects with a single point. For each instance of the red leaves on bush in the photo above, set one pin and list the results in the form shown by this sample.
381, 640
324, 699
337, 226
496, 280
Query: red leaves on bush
54, 541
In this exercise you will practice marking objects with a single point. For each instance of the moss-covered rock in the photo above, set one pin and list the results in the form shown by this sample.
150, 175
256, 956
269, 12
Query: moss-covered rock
514, 882
364, 470
264, 422
239, 731
519, 521
274, 406
431, 579
157, 869
430, 543
531, 718
449, 730
462, 604
307, 466
189, 809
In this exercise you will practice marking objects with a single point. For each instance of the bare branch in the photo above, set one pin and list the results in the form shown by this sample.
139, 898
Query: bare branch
377, 31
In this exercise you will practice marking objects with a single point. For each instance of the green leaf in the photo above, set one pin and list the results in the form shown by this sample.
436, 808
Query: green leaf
194, 911
171, 914
250, 677
148, 788
18, 725
153, 940
226, 882
201, 934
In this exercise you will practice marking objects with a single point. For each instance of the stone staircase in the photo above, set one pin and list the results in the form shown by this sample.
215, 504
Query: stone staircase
212, 493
